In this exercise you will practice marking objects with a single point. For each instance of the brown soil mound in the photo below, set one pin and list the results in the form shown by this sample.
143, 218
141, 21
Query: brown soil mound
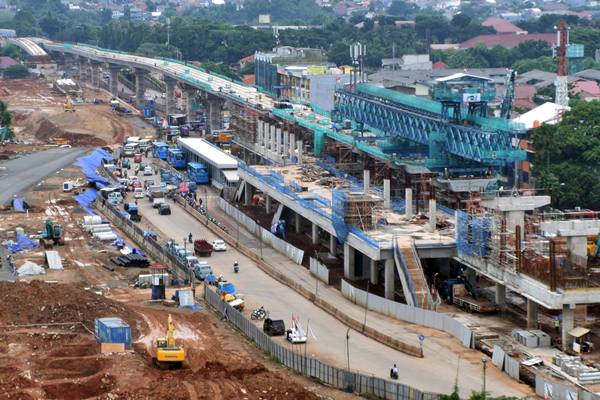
42, 303
47, 129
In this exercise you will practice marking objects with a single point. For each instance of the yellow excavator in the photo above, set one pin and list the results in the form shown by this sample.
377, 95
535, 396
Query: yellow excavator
168, 353
69, 106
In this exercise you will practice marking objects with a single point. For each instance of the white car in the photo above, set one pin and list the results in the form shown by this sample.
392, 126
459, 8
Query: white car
138, 193
219, 245
148, 171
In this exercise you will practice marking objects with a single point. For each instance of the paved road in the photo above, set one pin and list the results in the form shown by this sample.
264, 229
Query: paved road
18, 174
366, 355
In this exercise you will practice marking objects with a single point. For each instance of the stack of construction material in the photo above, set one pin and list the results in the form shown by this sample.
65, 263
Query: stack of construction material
98, 229
131, 260
543, 338
526, 338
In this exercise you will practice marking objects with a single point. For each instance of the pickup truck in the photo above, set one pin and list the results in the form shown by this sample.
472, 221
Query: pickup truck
202, 248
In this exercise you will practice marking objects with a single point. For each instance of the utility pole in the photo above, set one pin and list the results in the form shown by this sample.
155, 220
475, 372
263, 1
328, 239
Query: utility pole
348, 348
484, 362
562, 43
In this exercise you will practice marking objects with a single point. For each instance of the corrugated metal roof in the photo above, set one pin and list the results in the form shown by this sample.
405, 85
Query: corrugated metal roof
545, 114
212, 154
231, 175
53, 260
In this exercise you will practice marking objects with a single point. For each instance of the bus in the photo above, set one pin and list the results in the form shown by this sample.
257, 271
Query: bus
198, 172
159, 150
176, 158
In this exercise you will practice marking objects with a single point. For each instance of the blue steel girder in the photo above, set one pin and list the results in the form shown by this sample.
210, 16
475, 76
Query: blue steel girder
469, 142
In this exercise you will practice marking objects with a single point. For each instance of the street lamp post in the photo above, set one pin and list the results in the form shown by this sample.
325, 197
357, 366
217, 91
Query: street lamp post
484, 362
348, 348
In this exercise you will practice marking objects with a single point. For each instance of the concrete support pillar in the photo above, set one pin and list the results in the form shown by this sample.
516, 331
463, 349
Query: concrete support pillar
292, 146
248, 192
532, 314
577, 246
272, 131
514, 218
170, 84
408, 199
190, 99
348, 262
268, 204
300, 149
568, 323
373, 272
389, 279
278, 141
114, 79
432, 215
315, 233
95, 73
500, 295
387, 193
286, 141
332, 245
83, 69
215, 113
366, 179
140, 86
297, 222
259, 135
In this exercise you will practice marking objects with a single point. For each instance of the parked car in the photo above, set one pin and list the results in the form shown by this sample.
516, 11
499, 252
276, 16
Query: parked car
219, 245
164, 209
202, 271
274, 327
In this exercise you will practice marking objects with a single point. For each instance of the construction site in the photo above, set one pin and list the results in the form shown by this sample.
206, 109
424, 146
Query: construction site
229, 244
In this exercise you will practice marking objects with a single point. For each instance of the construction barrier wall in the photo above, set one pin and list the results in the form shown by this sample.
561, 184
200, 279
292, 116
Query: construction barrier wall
415, 315
549, 389
293, 253
319, 270
343, 379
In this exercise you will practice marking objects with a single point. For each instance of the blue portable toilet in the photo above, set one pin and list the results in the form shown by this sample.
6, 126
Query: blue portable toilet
113, 330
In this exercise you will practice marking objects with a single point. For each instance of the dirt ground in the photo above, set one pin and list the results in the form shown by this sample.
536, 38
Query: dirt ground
39, 116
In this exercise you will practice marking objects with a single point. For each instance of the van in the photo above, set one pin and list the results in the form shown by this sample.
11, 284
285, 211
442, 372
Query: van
274, 327
138, 193
202, 270
115, 197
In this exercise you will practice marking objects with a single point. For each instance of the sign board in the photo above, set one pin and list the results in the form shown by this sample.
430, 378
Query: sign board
471, 97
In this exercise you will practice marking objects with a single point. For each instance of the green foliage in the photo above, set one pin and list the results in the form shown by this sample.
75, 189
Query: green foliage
220, 69
542, 63
5, 119
403, 9
10, 50
157, 50
16, 71
567, 157
547, 22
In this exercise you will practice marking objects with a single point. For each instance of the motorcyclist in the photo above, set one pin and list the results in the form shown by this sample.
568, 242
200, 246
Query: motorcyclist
236, 267
394, 372
190, 237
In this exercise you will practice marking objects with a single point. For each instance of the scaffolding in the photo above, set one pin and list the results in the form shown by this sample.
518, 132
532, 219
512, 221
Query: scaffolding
354, 209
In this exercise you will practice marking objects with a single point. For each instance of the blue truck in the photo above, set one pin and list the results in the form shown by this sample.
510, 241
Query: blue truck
159, 150
198, 172
176, 158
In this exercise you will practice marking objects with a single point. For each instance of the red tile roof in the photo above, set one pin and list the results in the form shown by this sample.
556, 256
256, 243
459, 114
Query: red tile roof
439, 65
589, 87
503, 26
507, 40
247, 59
6, 62
249, 79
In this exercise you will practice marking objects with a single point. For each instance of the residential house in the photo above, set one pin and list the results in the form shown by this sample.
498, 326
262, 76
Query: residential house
503, 26
586, 90
6, 62
508, 40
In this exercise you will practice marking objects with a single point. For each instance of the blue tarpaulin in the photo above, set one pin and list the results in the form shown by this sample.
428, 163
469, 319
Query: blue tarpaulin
90, 163
18, 204
22, 243
86, 198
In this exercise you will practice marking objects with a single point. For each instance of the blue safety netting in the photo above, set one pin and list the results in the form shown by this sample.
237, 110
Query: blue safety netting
22, 243
338, 207
472, 234
90, 163
18, 204
86, 198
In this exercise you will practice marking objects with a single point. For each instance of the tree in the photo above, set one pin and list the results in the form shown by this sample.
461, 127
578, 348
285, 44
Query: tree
5, 121
401, 8
567, 158
10, 50
16, 71
50, 25
542, 63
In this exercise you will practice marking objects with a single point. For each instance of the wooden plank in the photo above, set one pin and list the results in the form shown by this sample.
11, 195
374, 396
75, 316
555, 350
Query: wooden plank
112, 348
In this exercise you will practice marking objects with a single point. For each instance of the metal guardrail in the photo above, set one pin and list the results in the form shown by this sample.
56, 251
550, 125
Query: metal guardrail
343, 379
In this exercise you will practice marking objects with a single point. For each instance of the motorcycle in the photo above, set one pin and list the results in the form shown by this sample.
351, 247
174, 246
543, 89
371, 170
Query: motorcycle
236, 269
259, 314
394, 374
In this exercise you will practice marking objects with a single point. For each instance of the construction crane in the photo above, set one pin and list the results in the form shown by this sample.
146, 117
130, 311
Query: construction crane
168, 353
509, 94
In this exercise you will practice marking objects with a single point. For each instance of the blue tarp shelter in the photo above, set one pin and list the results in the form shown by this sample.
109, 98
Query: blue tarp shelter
19, 204
90, 163
86, 198
22, 243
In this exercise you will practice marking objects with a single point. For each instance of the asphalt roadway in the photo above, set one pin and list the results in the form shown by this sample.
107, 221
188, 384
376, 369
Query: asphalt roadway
18, 174
436, 372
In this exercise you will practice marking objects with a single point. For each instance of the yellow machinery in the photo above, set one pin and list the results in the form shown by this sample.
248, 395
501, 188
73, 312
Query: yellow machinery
69, 105
168, 354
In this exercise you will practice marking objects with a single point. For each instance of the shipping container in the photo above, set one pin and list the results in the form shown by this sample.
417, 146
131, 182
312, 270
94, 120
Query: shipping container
113, 330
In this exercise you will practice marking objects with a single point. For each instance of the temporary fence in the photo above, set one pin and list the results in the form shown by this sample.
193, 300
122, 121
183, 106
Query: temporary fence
549, 389
344, 379
319, 270
415, 315
278, 244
